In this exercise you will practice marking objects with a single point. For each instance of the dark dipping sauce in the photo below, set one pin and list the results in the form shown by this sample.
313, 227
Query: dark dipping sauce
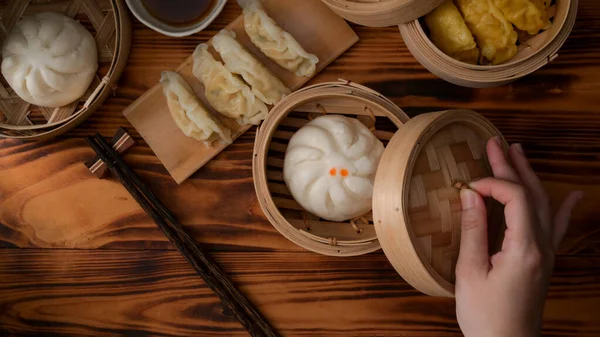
179, 12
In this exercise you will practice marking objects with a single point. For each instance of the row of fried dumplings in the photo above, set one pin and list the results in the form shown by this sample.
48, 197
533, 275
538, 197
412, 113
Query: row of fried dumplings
241, 87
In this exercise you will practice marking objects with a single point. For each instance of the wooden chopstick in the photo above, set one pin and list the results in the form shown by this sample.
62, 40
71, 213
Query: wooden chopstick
203, 263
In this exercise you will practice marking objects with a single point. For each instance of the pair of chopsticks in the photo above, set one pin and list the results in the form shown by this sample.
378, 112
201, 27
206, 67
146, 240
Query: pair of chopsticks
204, 265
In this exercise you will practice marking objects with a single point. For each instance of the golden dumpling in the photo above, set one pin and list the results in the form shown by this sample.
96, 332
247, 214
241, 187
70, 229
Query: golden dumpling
527, 15
495, 35
450, 33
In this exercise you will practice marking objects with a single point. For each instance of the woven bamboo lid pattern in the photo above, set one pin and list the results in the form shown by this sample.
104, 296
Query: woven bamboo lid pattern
534, 53
416, 208
109, 23
382, 13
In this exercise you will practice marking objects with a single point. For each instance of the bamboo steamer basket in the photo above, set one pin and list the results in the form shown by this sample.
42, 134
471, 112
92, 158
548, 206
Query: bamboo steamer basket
109, 23
533, 54
416, 209
355, 237
381, 13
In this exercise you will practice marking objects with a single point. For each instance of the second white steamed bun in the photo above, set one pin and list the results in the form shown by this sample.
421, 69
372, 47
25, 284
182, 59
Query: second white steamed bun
49, 59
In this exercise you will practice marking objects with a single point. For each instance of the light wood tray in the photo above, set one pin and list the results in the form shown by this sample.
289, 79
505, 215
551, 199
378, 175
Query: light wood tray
314, 25
108, 21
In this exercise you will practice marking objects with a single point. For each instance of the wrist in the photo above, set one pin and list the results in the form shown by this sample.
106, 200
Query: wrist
509, 332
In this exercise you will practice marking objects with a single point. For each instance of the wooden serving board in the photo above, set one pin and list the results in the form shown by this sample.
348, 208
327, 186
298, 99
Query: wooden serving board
319, 30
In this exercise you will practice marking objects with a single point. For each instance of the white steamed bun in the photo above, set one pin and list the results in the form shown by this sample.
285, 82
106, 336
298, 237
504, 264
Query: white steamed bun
49, 59
330, 166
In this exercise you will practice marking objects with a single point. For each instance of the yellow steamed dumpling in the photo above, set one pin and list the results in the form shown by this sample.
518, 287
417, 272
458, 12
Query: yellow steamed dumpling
495, 35
527, 15
449, 32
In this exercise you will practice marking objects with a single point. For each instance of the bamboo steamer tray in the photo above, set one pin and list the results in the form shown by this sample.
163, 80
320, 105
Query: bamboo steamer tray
109, 23
355, 237
533, 53
416, 209
381, 13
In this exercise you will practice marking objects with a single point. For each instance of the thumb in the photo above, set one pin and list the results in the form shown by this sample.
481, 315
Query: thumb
473, 256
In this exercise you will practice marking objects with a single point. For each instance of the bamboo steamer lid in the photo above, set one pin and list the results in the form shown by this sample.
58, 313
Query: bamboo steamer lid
382, 13
415, 206
416, 209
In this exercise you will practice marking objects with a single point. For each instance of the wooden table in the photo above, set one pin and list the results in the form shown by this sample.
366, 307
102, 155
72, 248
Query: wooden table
80, 257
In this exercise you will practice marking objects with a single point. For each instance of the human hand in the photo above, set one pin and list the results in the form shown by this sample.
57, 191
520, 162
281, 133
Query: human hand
503, 295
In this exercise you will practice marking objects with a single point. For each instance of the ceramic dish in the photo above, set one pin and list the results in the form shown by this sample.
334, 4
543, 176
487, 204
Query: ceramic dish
140, 12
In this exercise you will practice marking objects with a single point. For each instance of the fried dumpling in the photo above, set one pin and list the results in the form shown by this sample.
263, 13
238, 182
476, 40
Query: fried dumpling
225, 92
266, 86
276, 43
528, 15
188, 112
495, 35
450, 33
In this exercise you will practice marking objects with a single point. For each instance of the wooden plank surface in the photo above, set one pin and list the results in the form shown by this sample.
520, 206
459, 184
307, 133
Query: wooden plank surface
101, 293
126, 278
46, 202
319, 30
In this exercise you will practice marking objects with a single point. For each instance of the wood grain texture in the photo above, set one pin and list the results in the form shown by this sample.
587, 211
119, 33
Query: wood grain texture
48, 199
101, 293
46, 179
193, 252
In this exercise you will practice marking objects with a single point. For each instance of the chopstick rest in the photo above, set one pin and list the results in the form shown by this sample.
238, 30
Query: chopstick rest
121, 142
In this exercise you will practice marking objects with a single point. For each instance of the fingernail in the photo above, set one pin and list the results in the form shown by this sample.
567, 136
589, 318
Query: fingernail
498, 140
468, 199
519, 148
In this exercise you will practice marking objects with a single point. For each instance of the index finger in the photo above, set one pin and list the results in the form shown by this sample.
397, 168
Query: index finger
517, 211
500, 166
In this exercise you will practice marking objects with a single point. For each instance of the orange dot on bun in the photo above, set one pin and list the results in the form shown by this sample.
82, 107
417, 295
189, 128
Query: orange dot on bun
344, 172
333, 171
